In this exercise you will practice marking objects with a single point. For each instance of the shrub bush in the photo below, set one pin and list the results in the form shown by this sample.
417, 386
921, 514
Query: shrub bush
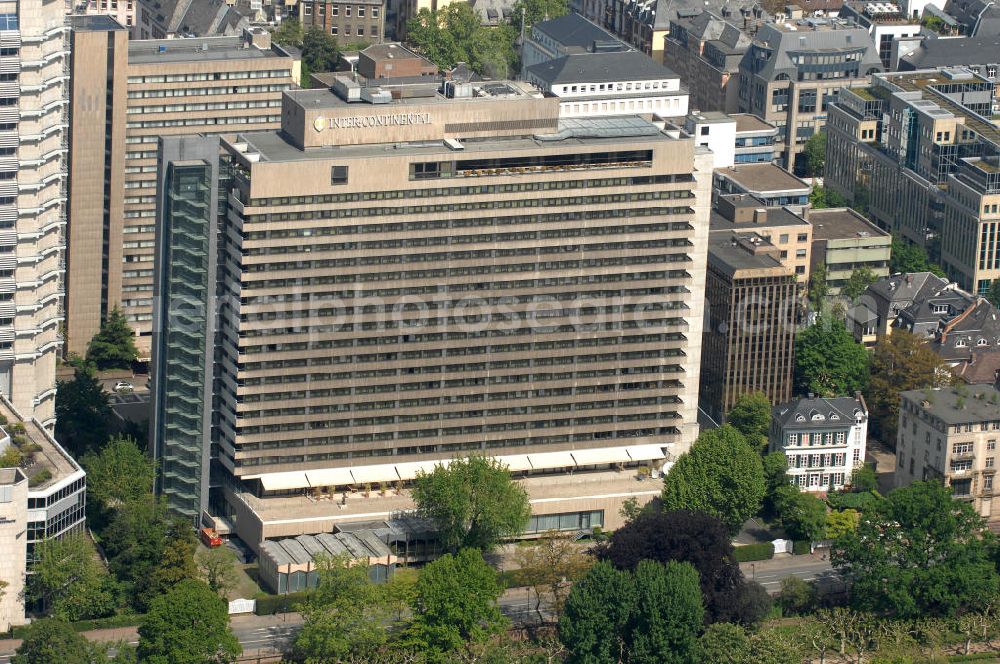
801, 547
752, 552
855, 501
270, 604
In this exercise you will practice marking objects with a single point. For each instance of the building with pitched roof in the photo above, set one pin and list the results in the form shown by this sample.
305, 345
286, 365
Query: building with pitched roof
980, 54
823, 439
571, 34
888, 296
167, 19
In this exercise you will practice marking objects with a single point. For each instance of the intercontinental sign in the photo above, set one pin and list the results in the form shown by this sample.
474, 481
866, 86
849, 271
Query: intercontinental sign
370, 121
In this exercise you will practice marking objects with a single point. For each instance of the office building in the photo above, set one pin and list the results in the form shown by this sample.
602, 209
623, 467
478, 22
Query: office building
749, 341
122, 11
388, 62
756, 140
844, 241
167, 19
788, 231
823, 439
918, 152
717, 132
33, 98
706, 51
887, 23
769, 183
125, 96
354, 21
792, 72
604, 84
571, 34
429, 277
950, 434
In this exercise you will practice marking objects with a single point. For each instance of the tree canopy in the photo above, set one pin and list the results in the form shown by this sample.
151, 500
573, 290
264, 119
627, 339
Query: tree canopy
70, 581
751, 416
319, 50
113, 347
118, 474
813, 158
83, 413
52, 640
549, 566
821, 198
455, 34
187, 625
473, 502
803, 515
538, 10
918, 553
721, 475
900, 362
696, 538
828, 361
859, 281
908, 257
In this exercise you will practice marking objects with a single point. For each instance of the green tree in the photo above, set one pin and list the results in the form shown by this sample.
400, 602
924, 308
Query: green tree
864, 478
859, 281
723, 643
319, 50
113, 347
803, 515
492, 53
900, 362
455, 34
456, 603
52, 640
828, 361
347, 616
83, 415
797, 597
751, 416
473, 502
538, 10
187, 625
289, 33
120, 473
813, 157
721, 475
69, 579
218, 568
597, 614
821, 198
907, 257
818, 287
919, 553
176, 562
668, 613
776, 478
841, 522
993, 294
549, 566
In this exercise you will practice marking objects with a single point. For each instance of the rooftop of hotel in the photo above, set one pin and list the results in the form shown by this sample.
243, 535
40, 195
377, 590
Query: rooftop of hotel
763, 178
46, 454
196, 49
842, 224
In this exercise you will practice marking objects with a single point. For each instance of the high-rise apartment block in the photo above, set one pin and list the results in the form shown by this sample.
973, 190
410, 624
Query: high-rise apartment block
919, 151
125, 96
407, 280
793, 72
33, 116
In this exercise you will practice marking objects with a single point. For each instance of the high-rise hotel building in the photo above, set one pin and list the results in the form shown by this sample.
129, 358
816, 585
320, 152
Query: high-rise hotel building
125, 95
390, 283
33, 119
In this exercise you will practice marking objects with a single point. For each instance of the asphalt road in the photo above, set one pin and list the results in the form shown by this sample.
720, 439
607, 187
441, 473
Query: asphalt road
769, 573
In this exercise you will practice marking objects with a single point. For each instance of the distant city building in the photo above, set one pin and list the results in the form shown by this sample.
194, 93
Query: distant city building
715, 131
936, 303
950, 434
605, 84
823, 439
122, 11
706, 51
756, 140
400, 12
13, 554
976, 18
332, 383
125, 95
787, 230
887, 22
352, 21
889, 296
167, 19
844, 241
917, 151
392, 62
768, 182
978, 54
571, 34
966, 339
793, 71
749, 340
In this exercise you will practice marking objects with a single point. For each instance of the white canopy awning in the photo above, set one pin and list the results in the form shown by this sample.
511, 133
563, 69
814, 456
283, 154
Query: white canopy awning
408, 471
646, 452
515, 462
374, 474
330, 477
551, 460
282, 481
601, 455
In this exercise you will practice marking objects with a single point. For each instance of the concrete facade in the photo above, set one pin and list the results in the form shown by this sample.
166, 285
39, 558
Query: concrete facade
844, 241
13, 524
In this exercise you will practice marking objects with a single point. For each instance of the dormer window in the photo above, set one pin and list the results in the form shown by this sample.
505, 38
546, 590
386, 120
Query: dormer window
982, 342
800, 418
834, 416
960, 343
816, 416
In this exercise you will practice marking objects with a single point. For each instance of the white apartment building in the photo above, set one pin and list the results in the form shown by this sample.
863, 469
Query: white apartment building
823, 439
33, 111
607, 84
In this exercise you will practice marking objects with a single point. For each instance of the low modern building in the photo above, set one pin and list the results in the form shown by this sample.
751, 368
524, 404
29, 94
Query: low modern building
715, 131
793, 71
950, 434
756, 140
571, 34
393, 285
767, 182
605, 84
749, 339
887, 23
352, 21
844, 241
13, 553
824, 439
789, 232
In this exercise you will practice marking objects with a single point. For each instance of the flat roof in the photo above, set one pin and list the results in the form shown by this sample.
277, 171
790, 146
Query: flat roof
493, 92
842, 224
722, 253
710, 117
763, 178
747, 123
94, 22
776, 217
979, 403
195, 49
49, 455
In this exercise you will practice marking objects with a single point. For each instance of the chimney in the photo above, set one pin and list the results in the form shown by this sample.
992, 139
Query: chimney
760, 215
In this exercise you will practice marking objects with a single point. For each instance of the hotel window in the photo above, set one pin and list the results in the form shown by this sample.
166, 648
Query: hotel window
988, 482
989, 462
361, 31
991, 445
857, 455
334, 30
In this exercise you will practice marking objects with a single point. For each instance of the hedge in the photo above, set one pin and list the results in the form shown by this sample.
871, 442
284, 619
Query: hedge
855, 501
801, 547
751, 552
270, 604
123, 620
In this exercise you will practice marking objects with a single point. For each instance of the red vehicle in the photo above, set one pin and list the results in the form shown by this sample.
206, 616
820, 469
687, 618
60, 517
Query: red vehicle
209, 538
